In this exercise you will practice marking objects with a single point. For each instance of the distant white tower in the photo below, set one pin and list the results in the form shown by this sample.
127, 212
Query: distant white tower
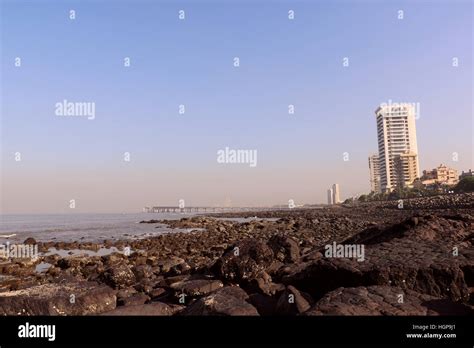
335, 194
330, 196
374, 170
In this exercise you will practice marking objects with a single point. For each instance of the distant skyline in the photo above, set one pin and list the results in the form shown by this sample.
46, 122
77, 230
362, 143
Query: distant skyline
190, 62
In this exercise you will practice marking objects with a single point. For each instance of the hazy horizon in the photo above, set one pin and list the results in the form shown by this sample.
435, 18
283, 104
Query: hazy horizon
190, 62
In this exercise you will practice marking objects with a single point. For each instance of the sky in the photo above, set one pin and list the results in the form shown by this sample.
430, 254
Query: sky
190, 62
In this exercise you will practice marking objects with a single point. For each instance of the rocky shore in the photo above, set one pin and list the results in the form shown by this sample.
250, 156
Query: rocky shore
418, 260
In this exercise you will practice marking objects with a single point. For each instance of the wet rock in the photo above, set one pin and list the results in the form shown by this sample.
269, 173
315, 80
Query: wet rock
417, 257
30, 241
312, 255
53, 271
11, 268
125, 293
73, 298
293, 302
168, 264
118, 276
384, 300
244, 261
136, 299
274, 267
285, 249
114, 259
264, 285
155, 309
157, 293
142, 272
144, 286
225, 301
323, 275
197, 287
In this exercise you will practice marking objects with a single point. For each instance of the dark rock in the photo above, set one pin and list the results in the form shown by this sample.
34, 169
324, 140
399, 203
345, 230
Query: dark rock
125, 293
30, 241
142, 272
118, 276
274, 267
78, 298
264, 285
312, 255
323, 275
136, 299
384, 300
154, 308
150, 221
197, 287
113, 259
244, 261
157, 293
145, 286
225, 301
412, 256
168, 264
266, 305
285, 249
292, 302
169, 281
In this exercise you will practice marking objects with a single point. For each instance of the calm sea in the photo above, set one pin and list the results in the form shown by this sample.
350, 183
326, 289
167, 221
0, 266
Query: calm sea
81, 227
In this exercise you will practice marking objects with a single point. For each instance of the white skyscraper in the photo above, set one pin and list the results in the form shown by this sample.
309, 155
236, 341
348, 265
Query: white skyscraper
330, 197
335, 194
398, 149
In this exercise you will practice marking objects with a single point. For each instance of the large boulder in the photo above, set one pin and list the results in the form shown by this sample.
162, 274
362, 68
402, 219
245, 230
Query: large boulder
430, 255
230, 300
75, 298
135, 299
196, 287
170, 265
285, 248
151, 309
30, 241
384, 300
293, 302
142, 272
118, 276
246, 260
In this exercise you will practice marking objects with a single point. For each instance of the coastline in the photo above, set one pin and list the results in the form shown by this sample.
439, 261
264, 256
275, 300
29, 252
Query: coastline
264, 267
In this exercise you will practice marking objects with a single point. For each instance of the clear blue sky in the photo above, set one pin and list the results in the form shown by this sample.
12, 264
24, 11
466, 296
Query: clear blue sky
190, 62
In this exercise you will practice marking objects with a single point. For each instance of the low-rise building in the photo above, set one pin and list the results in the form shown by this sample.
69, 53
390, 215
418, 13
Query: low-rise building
441, 175
406, 169
466, 174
